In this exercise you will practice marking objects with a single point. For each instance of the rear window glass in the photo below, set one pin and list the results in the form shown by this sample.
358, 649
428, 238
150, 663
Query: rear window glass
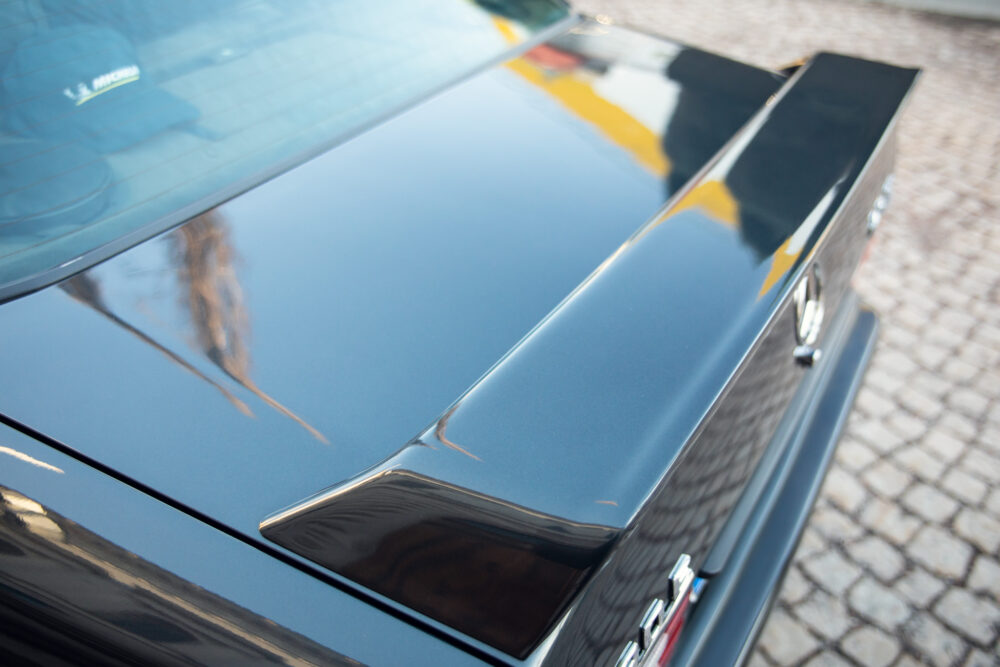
120, 118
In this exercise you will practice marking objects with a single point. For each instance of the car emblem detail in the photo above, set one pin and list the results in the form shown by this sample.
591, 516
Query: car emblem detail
808, 302
661, 624
878, 208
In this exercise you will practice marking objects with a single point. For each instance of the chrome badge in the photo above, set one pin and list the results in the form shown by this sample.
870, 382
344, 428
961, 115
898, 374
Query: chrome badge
878, 208
661, 624
808, 302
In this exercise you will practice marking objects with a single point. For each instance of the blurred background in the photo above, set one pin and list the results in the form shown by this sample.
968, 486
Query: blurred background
900, 564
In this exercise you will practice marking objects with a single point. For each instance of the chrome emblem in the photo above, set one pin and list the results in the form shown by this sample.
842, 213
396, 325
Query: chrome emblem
661, 618
808, 302
878, 208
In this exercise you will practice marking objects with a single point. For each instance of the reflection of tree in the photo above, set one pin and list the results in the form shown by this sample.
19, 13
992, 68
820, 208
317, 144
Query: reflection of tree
440, 432
85, 289
204, 260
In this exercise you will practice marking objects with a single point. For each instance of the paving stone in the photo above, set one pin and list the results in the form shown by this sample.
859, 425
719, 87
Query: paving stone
933, 383
854, 455
930, 356
994, 414
968, 615
914, 318
827, 659
812, 543
907, 660
976, 353
929, 503
871, 647
885, 303
906, 425
886, 383
957, 370
844, 491
993, 502
933, 641
834, 525
914, 460
979, 529
874, 403
988, 382
877, 435
889, 521
919, 587
920, 404
886, 480
785, 640
920, 299
968, 402
896, 363
795, 587
945, 445
987, 335
944, 337
832, 572
940, 552
979, 659
964, 486
878, 604
985, 576
757, 659
878, 556
825, 614
982, 465
989, 439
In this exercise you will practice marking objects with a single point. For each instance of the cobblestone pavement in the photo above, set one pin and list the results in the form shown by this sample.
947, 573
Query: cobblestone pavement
899, 564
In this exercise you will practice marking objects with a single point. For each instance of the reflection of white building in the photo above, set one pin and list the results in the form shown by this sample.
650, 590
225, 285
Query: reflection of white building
629, 101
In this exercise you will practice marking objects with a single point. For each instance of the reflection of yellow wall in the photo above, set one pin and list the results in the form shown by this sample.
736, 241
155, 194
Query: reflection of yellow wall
713, 197
506, 30
782, 260
715, 200
614, 122
583, 102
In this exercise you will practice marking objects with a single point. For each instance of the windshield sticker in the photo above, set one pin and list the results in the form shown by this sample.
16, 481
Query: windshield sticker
102, 84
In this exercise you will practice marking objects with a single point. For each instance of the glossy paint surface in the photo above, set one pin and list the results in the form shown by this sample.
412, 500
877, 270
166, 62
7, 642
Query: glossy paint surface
93, 571
309, 328
663, 399
306, 330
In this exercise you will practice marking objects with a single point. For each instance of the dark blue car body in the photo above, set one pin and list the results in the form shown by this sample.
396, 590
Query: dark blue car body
516, 348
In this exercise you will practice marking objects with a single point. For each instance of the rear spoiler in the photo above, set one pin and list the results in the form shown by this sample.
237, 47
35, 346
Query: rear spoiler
496, 517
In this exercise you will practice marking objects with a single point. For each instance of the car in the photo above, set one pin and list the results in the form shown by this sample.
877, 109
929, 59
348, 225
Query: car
417, 332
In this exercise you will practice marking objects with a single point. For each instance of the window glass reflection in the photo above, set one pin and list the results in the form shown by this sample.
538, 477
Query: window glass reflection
115, 115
